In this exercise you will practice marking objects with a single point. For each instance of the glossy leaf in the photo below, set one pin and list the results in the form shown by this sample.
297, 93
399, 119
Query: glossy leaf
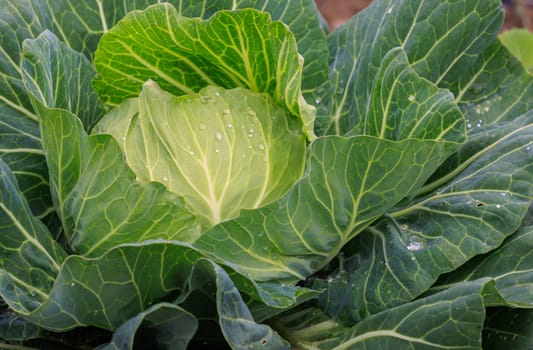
511, 266
385, 206
350, 183
103, 204
142, 274
263, 300
273, 298
184, 55
452, 319
30, 258
440, 51
235, 319
162, 326
20, 145
80, 25
403, 105
403, 254
496, 89
222, 150
303, 19
60, 78
16, 328
57, 77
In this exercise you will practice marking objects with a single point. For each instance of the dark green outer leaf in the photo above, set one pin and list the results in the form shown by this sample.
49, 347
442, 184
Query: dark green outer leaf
273, 298
452, 319
51, 73
511, 266
19, 132
16, 328
403, 254
107, 291
29, 257
102, 203
403, 105
496, 89
65, 164
161, 326
508, 329
60, 78
440, 51
484, 138
235, 319
351, 182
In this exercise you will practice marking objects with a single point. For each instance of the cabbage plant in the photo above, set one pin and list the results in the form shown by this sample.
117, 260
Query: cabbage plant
228, 174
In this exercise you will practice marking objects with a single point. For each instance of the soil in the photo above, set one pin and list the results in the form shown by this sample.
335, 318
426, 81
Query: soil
519, 13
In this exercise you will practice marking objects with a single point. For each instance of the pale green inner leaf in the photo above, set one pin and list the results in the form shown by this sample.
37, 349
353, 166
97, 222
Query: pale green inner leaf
222, 150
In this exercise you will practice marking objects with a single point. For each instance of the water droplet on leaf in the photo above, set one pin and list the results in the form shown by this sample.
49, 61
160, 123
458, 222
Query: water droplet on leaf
218, 136
416, 243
